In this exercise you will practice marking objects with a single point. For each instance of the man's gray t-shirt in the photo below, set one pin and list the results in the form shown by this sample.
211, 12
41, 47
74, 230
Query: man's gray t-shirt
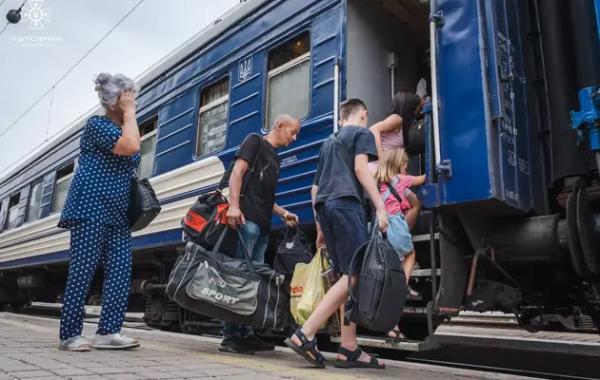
335, 172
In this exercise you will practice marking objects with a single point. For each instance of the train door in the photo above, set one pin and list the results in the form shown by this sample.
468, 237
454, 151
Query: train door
387, 53
465, 57
480, 131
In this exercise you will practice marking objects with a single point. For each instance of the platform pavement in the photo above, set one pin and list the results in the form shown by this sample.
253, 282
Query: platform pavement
28, 350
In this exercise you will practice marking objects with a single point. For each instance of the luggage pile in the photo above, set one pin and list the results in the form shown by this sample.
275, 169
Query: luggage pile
209, 282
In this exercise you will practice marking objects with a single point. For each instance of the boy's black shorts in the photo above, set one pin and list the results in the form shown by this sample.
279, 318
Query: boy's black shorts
343, 222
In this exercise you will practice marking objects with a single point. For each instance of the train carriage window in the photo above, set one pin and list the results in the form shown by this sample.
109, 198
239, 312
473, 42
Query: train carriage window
147, 147
212, 121
61, 187
34, 202
13, 211
289, 68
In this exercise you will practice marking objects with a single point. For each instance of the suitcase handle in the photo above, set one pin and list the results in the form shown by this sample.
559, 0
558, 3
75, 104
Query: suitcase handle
215, 249
287, 232
245, 252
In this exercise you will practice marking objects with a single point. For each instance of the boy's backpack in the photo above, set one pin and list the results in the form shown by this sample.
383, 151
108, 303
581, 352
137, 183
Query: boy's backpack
378, 297
292, 250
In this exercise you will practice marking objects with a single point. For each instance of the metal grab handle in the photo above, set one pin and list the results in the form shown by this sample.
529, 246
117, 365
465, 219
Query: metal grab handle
336, 94
434, 19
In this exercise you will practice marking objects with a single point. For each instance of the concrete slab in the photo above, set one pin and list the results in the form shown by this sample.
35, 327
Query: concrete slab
28, 349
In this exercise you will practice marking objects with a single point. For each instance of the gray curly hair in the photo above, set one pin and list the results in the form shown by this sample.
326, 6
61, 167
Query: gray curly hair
109, 87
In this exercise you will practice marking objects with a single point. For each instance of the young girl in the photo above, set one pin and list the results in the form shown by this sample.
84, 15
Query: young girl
392, 170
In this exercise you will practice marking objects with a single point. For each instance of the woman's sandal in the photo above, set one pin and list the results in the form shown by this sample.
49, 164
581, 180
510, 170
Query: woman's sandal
352, 360
397, 337
308, 349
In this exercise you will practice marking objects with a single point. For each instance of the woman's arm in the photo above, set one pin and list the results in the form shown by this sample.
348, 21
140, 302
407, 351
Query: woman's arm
129, 142
389, 124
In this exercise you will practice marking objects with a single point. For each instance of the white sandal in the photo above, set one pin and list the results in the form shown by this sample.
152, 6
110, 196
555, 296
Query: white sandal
75, 343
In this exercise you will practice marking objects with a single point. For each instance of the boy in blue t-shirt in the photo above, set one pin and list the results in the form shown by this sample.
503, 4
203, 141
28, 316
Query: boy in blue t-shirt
337, 193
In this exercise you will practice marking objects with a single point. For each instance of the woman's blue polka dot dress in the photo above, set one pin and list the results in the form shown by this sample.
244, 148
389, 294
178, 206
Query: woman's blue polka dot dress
96, 213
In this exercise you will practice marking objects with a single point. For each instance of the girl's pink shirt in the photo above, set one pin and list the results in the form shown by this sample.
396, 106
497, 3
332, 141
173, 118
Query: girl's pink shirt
392, 206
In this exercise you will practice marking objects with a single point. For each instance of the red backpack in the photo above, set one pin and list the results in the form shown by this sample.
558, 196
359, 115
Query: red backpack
207, 218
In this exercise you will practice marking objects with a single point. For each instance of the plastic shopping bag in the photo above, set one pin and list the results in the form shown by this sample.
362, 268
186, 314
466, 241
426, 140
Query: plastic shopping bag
308, 287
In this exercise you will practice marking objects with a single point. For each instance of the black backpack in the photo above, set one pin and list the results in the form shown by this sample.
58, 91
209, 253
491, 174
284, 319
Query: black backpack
378, 297
292, 250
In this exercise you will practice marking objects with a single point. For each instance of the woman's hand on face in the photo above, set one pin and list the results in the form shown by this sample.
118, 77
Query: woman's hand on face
127, 101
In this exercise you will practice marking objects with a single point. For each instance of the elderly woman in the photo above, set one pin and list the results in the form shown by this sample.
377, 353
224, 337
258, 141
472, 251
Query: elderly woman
96, 213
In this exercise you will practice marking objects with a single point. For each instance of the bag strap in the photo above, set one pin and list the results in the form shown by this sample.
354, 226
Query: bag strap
225, 178
285, 235
245, 252
361, 251
324, 260
186, 270
220, 240
393, 191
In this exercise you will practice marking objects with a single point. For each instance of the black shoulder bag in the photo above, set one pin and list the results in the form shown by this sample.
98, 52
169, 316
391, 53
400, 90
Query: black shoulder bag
292, 250
143, 203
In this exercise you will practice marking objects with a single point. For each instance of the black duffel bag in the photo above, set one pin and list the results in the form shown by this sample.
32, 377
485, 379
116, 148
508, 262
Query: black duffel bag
232, 290
143, 204
379, 294
292, 250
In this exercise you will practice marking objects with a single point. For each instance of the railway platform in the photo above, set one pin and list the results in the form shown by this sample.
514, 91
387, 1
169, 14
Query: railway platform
28, 350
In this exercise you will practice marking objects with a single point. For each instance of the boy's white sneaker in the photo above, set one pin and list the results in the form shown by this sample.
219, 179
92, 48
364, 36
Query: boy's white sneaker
75, 343
115, 341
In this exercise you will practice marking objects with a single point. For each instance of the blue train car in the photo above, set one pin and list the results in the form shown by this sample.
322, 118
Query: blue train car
512, 219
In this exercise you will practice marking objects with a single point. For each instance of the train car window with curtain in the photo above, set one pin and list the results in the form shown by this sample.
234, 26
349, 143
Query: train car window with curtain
13, 211
212, 120
147, 147
34, 202
289, 68
64, 177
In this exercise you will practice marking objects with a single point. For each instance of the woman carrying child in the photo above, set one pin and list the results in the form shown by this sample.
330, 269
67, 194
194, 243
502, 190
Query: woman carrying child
398, 200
